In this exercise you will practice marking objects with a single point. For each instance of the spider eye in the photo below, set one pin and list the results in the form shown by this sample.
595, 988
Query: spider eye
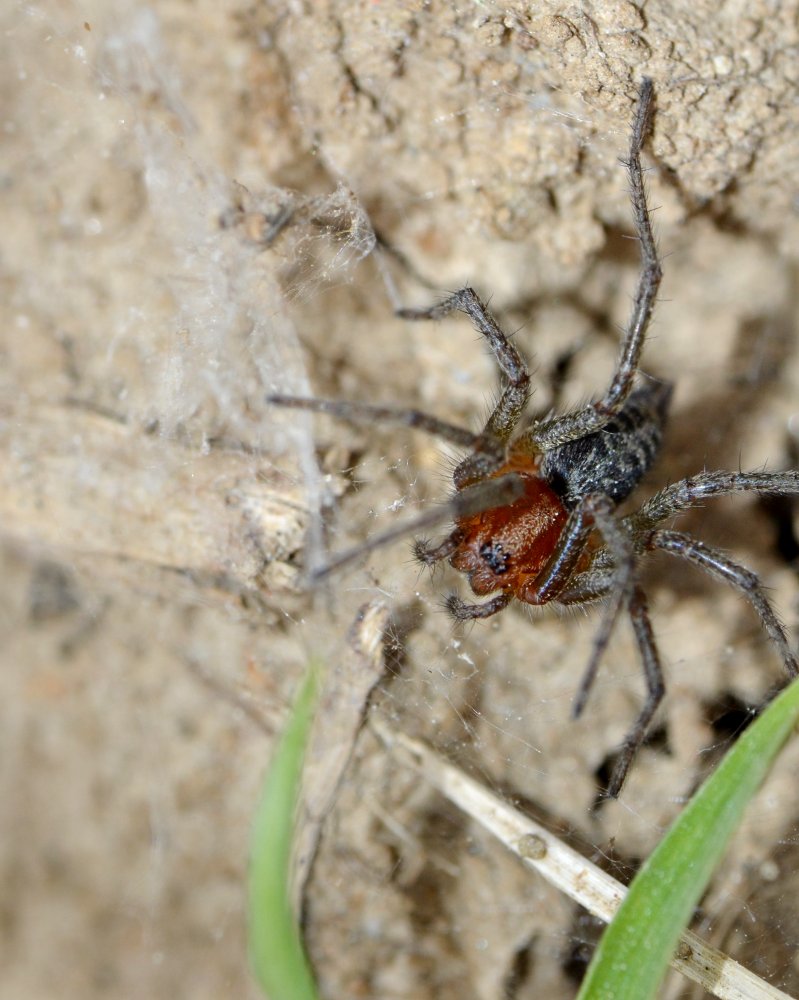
495, 556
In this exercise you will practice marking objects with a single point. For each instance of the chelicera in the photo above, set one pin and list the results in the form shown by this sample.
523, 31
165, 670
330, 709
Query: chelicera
534, 508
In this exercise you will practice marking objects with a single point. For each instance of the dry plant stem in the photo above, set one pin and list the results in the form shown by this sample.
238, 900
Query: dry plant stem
567, 870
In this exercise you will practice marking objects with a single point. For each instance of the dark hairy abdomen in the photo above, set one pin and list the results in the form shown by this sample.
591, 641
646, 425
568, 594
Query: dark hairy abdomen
613, 460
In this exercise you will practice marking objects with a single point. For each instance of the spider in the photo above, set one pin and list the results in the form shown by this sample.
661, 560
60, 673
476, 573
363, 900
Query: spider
534, 508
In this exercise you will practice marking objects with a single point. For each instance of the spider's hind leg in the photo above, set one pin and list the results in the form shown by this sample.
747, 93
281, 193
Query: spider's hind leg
594, 585
744, 580
655, 689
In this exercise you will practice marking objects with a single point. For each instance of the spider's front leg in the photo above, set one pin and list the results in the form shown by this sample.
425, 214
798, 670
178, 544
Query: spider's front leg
550, 434
367, 413
506, 414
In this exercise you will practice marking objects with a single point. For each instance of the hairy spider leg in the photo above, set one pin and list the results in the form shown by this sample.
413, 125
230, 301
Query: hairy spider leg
487, 492
718, 564
598, 579
365, 413
621, 586
690, 492
463, 612
548, 434
593, 585
655, 690
489, 452
592, 511
487, 448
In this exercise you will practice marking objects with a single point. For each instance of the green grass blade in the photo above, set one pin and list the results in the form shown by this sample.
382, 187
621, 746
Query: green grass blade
276, 953
635, 950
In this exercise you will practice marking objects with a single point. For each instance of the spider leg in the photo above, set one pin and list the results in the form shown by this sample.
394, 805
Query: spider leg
587, 587
719, 565
622, 587
592, 585
463, 612
505, 415
365, 413
655, 689
549, 434
692, 491
559, 582
600, 644
617, 580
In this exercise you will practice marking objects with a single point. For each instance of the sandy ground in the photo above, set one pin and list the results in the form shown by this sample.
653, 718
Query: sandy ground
189, 199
